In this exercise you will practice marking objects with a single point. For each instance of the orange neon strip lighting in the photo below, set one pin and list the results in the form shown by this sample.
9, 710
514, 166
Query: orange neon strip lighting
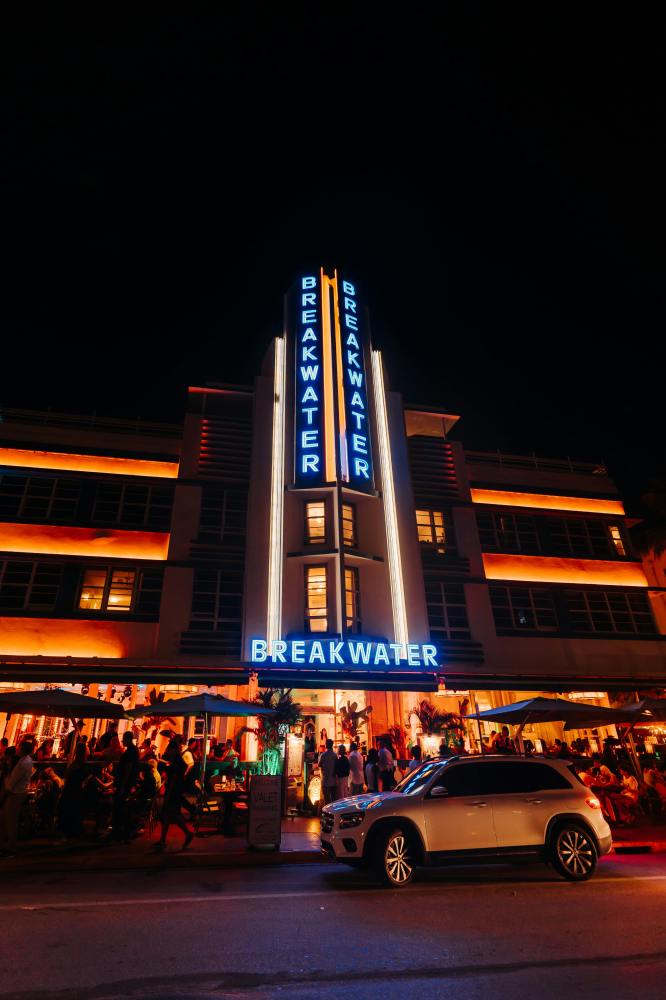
25, 459
551, 569
329, 416
586, 505
98, 543
58, 637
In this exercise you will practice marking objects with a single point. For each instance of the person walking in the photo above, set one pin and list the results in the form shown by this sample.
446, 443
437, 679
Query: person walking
372, 771
126, 776
355, 769
416, 758
15, 791
386, 766
71, 806
342, 771
327, 762
173, 794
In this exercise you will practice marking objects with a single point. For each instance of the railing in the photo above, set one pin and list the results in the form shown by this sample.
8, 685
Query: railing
88, 422
534, 462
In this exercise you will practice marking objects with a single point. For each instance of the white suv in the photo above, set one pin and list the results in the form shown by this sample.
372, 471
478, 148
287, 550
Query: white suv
471, 808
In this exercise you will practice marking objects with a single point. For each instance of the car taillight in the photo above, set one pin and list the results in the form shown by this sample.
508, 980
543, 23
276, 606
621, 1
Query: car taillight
593, 802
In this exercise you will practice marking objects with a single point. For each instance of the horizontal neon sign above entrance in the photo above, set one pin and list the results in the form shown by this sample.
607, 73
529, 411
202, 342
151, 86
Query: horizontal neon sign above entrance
345, 652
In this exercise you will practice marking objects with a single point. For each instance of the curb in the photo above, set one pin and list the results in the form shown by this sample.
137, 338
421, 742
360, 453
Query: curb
170, 860
638, 847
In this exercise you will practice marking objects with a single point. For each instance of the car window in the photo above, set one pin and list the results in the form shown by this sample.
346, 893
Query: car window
499, 778
461, 779
414, 781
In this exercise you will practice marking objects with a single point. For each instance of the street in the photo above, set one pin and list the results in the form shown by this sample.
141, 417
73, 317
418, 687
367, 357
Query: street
316, 931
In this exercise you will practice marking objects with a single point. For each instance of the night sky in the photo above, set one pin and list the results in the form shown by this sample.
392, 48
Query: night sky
494, 179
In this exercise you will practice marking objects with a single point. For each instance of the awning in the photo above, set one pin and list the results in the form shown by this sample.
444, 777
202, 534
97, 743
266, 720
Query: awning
350, 680
546, 682
71, 671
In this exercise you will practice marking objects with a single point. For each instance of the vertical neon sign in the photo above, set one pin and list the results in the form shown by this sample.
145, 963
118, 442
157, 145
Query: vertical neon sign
309, 450
356, 459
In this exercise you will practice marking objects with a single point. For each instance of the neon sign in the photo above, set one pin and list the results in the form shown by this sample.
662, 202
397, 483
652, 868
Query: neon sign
309, 381
356, 457
345, 652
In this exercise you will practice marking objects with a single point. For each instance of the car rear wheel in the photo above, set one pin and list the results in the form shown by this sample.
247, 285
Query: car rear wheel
573, 852
395, 859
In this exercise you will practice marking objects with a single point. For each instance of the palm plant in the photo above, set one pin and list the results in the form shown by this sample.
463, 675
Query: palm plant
271, 730
435, 723
155, 721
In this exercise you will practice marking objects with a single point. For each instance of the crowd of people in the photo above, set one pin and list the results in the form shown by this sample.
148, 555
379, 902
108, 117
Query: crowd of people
111, 782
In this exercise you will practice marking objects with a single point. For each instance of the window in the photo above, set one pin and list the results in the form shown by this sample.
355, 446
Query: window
447, 610
352, 601
217, 600
579, 536
507, 532
610, 611
315, 522
38, 498
136, 506
524, 608
349, 525
512, 778
223, 515
616, 538
29, 586
462, 780
107, 590
316, 609
431, 529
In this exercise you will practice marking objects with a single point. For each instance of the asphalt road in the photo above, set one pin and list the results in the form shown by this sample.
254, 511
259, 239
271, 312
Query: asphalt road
324, 932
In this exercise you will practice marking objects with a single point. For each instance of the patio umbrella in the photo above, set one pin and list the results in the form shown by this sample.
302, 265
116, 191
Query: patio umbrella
546, 710
61, 705
202, 705
645, 712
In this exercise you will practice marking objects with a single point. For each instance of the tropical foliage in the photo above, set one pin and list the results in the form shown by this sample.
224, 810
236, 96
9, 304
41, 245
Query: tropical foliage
436, 723
153, 722
352, 719
271, 730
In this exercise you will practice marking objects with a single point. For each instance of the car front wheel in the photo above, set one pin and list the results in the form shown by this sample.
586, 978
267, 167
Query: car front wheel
395, 859
573, 852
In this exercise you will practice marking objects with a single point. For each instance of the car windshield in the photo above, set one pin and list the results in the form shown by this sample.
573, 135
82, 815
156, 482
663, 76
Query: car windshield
414, 781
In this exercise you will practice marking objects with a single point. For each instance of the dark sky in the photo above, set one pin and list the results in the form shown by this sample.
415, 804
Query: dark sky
493, 178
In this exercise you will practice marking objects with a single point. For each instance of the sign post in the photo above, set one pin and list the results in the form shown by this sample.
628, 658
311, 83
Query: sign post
265, 820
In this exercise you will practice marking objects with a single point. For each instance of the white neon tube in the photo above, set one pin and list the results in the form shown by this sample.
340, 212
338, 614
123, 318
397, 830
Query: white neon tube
390, 510
274, 617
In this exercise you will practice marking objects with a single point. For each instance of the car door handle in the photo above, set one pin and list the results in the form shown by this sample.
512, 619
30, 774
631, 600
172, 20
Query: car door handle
534, 802
479, 805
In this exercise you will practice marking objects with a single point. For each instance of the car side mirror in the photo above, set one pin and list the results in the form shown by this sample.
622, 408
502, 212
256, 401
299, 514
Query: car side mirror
439, 792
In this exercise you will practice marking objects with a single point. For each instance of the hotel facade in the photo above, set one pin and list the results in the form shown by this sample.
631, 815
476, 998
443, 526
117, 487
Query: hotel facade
314, 531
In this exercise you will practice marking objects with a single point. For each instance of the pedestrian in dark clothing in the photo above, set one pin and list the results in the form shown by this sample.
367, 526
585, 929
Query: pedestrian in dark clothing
126, 775
342, 769
71, 807
173, 794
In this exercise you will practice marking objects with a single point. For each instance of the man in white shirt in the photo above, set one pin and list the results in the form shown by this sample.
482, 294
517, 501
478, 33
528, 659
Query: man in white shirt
15, 790
355, 769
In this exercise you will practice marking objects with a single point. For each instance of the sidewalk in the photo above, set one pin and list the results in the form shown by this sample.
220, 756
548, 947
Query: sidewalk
300, 844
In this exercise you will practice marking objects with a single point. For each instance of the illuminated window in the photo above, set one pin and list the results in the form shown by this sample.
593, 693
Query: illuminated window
316, 610
431, 529
315, 522
525, 609
616, 538
352, 601
349, 525
107, 590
